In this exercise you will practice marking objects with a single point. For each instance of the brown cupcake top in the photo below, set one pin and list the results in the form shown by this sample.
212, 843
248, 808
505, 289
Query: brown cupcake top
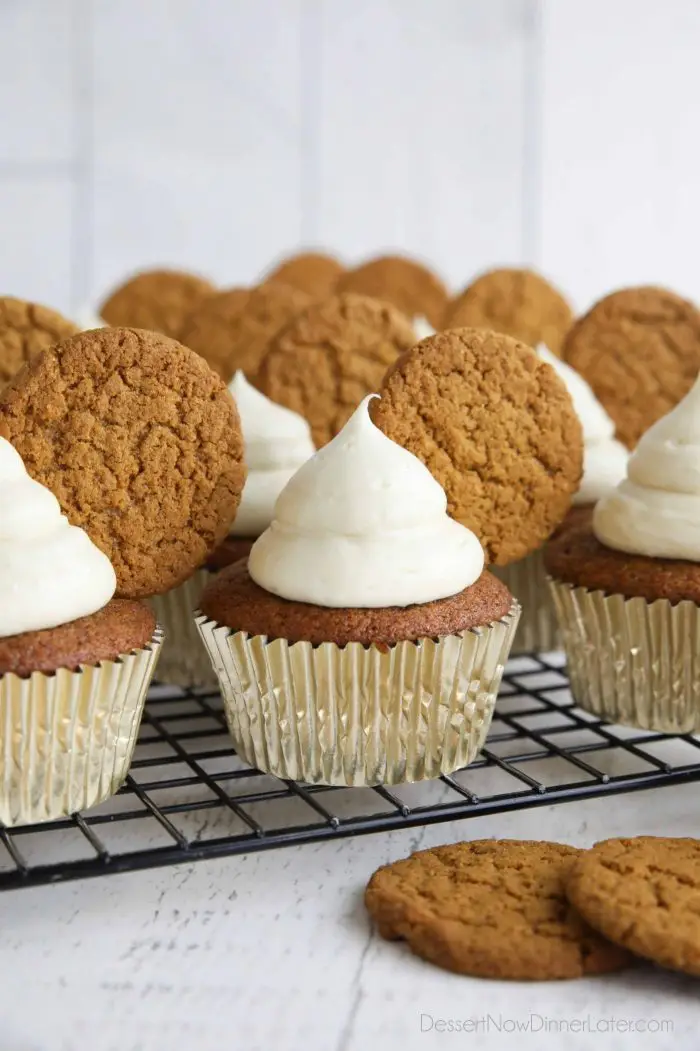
407, 284
330, 357
120, 627
233, 329
158, 300
639, 349
25, 330
515, 301
233, 599
575, 556
315, 273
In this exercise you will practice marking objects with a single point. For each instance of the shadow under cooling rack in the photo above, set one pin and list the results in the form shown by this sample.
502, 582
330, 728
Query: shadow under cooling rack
189, 796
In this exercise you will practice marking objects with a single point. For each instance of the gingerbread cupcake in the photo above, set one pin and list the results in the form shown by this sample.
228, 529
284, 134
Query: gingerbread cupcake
121, 431
626, 586
604, 466
277, 442
362, 642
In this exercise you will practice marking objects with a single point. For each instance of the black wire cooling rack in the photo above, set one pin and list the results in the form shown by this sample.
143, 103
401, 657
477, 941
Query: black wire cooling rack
189, 796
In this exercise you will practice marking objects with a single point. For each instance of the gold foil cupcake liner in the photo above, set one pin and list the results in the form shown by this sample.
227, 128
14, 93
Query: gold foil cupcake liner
360, 715
631, 661
184, 661
538, 631
67, 739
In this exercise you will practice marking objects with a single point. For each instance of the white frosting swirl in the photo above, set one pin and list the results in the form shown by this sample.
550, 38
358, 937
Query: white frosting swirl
422, 327
364, 525
604, 458
50, 572
655, 511
277, 442
87, 318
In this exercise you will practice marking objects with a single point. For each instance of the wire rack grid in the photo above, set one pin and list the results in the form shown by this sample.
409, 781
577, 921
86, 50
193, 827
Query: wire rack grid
189, 796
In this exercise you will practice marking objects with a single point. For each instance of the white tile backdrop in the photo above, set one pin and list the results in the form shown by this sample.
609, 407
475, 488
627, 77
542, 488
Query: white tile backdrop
217, 134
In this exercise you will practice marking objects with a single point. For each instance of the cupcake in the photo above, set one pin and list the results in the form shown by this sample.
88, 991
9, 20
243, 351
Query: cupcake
75, 663
277, 442
604, 465
626, 585
362, 643
124, 428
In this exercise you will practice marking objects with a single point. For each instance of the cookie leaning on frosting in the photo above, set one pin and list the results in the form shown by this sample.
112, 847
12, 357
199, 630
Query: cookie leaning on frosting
277, 442
627, 585
361, 643
109, 425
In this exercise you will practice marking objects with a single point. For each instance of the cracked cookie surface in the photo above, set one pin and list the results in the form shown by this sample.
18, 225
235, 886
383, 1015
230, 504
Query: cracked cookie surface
517, 302
158, 300
490, 908
643, 893
495, 426
639, 349
141, 444
25, 330
233, 329
331, 356
407, 284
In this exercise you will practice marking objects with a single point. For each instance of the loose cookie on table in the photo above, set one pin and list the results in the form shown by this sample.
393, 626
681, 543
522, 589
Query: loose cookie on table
159, 300
516, 302
409, 285
140, 442
330, 357
490, 908
643, 894
495, 426
25, 330
233, 329
315, 273
639, 349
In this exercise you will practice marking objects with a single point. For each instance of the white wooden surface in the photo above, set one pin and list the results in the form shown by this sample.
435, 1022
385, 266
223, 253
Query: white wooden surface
274, 952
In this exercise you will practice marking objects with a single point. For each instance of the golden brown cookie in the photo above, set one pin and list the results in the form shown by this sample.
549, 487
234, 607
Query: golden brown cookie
140, 442
232, 330
491, 908
159, 300
639, 349
312, 272
644, 895
517, 302
330, 357
497, 428
408, 284
25, 330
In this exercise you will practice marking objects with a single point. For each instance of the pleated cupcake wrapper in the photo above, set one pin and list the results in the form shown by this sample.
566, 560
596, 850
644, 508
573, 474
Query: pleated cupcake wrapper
631, 661
360, 715
538, 631
67, 739
184, 661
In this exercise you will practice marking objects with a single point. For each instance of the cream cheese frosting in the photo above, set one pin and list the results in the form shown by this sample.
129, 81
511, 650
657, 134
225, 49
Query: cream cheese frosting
364, 524
655, 511
277, 442
604, 458
50, 571
88, 318
422, 328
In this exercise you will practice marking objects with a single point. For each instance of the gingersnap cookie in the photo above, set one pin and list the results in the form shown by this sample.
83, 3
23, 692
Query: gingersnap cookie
490, 908
233, 329
141, 444
312, 272
644, 895
639, 349
497, 428
517, 302
25, 330
407, 284
330, 357
158, 300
